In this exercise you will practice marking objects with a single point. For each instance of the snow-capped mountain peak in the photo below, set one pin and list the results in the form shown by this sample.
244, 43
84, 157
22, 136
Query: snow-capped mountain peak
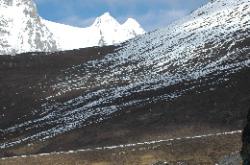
23, 30
131, 22
105, 30
132, 25
105, 19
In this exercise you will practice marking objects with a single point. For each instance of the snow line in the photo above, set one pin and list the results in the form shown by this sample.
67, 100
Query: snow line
124, 145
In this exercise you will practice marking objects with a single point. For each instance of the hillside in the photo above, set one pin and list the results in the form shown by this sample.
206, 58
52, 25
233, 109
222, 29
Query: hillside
190, 78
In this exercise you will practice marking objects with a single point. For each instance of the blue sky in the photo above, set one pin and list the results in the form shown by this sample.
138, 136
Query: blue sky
151, 14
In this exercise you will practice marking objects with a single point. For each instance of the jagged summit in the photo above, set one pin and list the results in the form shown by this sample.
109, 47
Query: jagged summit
105, 30
107, 19
133, 25
131, 21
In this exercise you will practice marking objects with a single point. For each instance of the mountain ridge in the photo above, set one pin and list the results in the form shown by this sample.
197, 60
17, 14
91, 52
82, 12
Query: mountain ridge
105, 30
23, 30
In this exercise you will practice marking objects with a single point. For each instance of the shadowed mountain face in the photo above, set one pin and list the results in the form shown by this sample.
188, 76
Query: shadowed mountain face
186, 79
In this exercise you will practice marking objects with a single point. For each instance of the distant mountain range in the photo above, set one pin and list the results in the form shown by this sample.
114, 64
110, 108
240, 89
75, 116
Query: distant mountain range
104, 31
23, 30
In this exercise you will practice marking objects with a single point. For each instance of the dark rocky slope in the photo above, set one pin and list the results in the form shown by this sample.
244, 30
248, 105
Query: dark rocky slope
188, 79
